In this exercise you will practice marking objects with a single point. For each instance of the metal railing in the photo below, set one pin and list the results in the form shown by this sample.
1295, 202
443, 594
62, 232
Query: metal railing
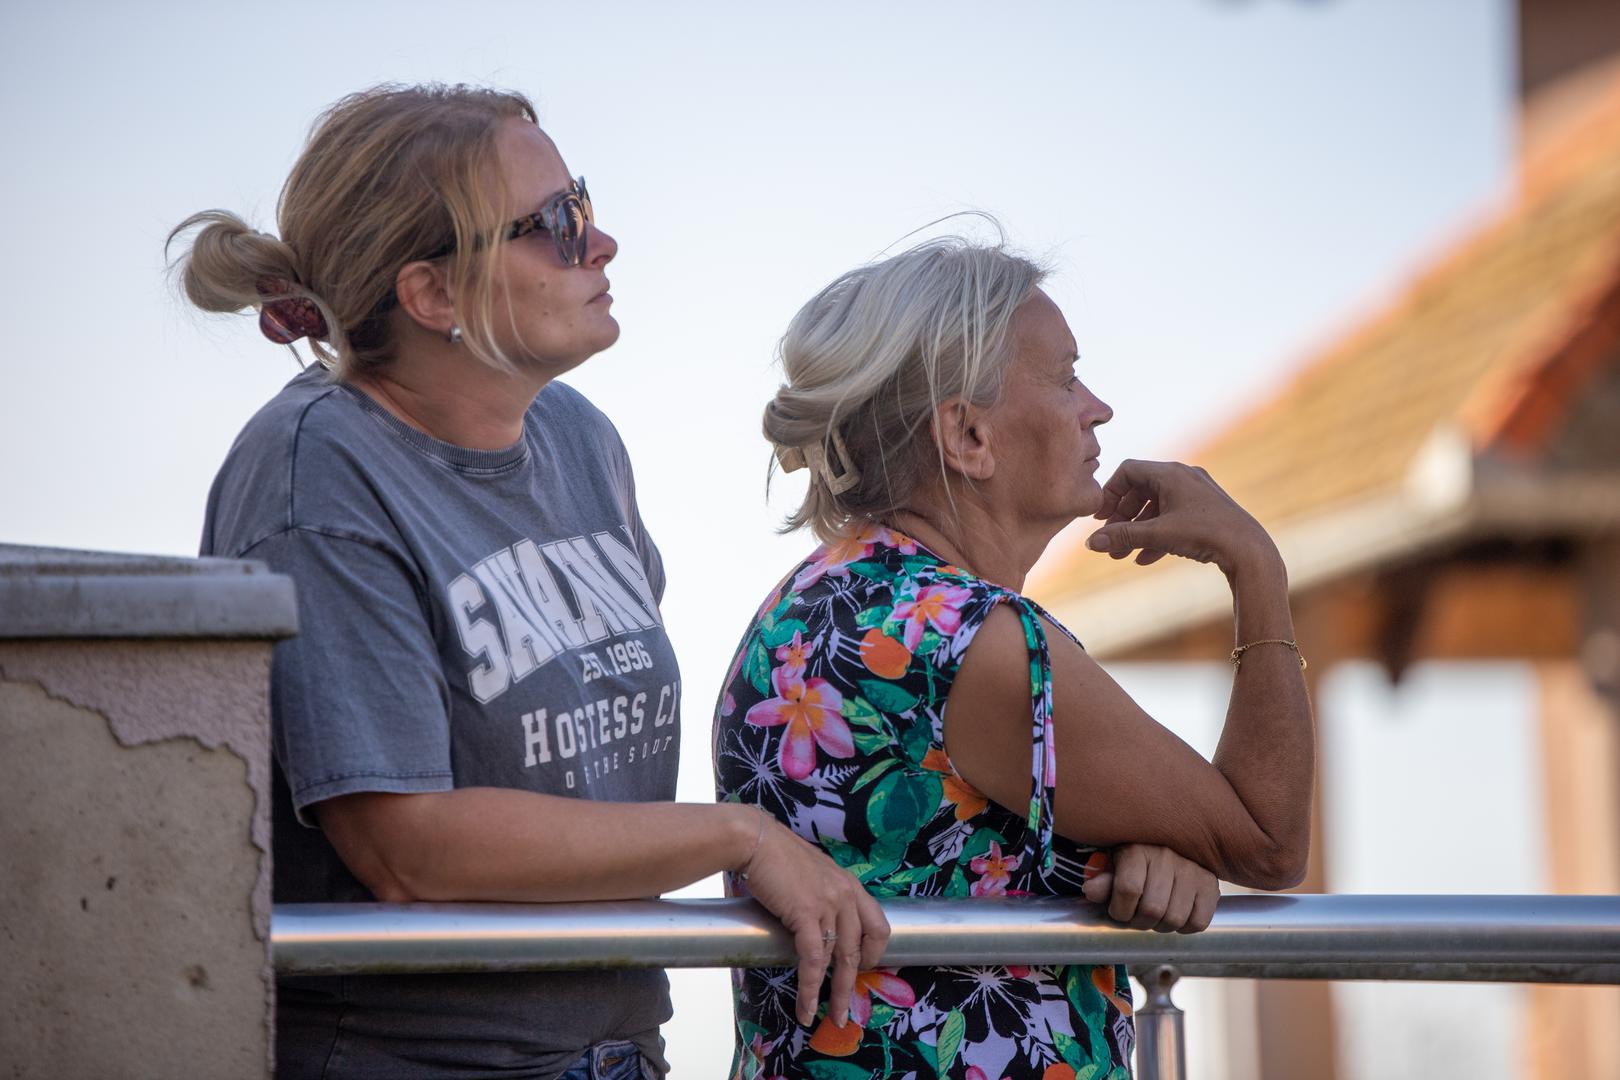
1568, 939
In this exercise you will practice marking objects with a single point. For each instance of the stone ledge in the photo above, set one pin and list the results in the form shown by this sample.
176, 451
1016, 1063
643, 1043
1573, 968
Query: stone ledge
59, 593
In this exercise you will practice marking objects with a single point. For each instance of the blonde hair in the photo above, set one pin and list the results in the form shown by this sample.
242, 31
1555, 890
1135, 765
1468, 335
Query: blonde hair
869, 359
389, 175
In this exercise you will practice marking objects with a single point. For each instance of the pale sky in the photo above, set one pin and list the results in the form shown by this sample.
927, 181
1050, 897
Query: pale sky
1221, 186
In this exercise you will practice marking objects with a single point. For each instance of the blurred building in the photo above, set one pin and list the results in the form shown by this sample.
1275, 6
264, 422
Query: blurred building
1444, 483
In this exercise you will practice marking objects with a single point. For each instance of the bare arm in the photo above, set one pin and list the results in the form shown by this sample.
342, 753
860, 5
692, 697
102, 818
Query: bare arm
1123, 777
507, 845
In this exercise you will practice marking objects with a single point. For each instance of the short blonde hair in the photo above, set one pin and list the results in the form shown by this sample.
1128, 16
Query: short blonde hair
869, 359
389, 175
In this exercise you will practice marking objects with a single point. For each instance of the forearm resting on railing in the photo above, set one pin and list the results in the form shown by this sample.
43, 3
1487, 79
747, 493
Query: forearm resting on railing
505, 845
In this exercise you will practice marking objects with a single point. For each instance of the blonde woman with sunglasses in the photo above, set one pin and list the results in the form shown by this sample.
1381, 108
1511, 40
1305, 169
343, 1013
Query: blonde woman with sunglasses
482, 703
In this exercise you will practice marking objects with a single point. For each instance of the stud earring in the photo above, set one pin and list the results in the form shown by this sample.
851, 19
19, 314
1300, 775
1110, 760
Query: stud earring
454, 335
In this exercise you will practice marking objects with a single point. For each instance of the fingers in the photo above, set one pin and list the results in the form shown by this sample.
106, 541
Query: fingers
874, 930
813, 956
1157, 890
1179, 908
1203, 909
1098, 889
846, 951
1131, 475
1130, 875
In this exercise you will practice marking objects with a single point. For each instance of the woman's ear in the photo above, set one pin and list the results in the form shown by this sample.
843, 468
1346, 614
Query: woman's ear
424, 296
962, 432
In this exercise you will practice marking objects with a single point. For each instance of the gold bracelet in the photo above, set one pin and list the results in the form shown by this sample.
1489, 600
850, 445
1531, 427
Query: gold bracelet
1237, 654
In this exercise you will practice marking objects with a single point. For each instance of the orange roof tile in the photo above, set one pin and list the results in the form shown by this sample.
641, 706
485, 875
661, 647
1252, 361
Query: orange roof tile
1480, 342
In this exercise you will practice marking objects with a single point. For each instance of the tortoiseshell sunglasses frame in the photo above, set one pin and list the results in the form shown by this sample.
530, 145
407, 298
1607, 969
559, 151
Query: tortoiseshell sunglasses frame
572, 241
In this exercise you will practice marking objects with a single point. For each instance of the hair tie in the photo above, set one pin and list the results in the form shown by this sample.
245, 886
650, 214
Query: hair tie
283, 318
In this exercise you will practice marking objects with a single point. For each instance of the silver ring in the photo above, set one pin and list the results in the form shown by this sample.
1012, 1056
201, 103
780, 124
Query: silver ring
828, 937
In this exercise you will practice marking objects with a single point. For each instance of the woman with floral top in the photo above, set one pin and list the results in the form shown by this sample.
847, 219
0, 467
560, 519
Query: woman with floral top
897, 701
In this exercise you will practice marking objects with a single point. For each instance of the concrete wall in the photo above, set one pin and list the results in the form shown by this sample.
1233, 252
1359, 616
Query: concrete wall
134, 816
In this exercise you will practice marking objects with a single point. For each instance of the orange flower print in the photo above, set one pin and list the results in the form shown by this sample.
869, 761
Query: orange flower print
810, 710
968, 802
1058, 1071
938, 605
834, 558
834, 1041
994, 870
795, 654
883, 655
1102, 977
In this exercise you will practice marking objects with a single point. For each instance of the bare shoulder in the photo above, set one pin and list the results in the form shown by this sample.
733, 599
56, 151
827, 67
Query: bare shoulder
995, 668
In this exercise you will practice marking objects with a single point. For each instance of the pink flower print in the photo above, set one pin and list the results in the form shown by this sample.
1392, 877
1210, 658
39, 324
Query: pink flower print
810, 709
833, 559
994, 870
886, 985
879, 534
936, 605
795, 654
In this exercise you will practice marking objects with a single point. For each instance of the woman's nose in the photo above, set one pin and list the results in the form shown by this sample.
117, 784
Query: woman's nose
602, 246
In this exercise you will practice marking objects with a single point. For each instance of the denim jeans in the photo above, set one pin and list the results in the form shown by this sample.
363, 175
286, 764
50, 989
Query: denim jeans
609, 1061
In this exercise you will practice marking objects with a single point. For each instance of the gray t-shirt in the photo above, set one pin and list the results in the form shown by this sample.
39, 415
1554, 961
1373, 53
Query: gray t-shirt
467, 618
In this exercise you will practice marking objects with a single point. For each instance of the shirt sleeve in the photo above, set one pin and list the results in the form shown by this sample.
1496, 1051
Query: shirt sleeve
358, 698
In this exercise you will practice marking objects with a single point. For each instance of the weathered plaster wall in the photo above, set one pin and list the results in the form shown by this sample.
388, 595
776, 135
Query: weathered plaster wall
134, 821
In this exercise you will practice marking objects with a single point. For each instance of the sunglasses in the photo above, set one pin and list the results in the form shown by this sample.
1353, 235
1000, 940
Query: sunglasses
565, 216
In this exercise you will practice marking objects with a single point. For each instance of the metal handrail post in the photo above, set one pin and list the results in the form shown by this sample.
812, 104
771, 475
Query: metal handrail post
1161, 1047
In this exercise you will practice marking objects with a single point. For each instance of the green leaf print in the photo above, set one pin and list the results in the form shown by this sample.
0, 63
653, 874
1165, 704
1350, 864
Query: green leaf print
915, 742
927, 1053
1088, 1002
869, 873
950, 1041
929, 642
843, 854
870, 742
757, 668
873, 616
1120, 1073
1069, 1051
958, 885
873, 773
835, 1070
857, 710
1090, 1072
913, 875
780, 634
882, 1013
902, 803
887, 696
872, 571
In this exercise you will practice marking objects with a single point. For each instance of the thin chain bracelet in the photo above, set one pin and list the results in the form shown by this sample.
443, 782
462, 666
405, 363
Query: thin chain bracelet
759, 838
1237, 654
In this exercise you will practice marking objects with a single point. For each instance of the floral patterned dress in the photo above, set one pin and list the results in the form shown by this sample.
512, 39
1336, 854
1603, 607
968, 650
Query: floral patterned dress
831, 719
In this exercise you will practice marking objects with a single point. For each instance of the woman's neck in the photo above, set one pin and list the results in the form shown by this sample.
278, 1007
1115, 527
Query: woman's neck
972, 540
455, 398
